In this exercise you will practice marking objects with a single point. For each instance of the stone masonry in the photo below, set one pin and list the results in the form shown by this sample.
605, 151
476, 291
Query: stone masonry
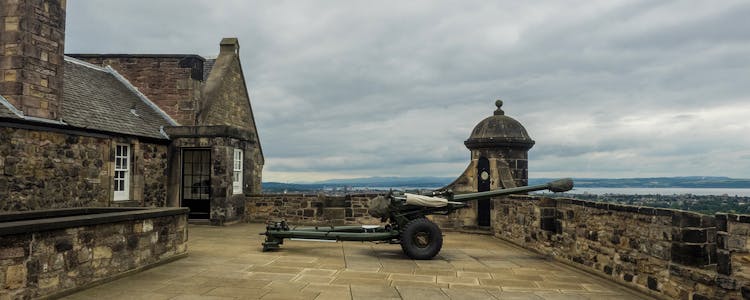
221, 140
47, 169
668, 253
46, 263
311, 209
31, 61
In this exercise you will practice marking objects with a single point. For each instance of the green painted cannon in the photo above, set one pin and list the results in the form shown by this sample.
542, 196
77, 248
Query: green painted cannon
407, 224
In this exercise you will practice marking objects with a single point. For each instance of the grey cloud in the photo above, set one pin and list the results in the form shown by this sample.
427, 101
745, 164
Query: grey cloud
387, 88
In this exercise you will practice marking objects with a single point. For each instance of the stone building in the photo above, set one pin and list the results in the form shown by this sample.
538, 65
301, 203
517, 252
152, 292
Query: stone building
120, 129
499, 148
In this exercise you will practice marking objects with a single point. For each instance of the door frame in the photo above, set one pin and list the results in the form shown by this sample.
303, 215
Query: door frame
182, 179
484, 206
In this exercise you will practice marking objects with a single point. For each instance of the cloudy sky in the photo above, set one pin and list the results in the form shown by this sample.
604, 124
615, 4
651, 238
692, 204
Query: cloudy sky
392, 88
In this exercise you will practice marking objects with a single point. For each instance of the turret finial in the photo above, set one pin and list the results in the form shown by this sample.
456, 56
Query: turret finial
499, 104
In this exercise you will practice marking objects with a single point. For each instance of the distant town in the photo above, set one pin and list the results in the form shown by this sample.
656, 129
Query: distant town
707, 204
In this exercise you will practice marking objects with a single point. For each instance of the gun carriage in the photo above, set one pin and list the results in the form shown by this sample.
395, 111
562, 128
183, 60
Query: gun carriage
407, 224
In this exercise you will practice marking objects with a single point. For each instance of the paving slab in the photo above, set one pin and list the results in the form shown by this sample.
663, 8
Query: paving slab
468, 294
422, 293
227, 263
374, 292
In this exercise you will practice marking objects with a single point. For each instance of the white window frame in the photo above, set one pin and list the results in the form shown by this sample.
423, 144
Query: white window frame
237, 171
121, 178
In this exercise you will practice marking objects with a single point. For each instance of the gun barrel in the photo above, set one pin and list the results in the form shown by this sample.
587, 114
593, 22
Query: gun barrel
560, 185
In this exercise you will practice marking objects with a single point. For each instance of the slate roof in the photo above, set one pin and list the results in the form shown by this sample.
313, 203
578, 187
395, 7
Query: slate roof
99, 98
208, 65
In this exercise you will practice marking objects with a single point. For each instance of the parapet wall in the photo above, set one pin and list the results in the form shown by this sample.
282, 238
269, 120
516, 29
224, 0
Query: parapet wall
51, 253
307, 209
664, 252
668, 253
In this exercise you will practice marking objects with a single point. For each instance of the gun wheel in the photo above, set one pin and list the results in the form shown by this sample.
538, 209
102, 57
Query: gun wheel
421, 239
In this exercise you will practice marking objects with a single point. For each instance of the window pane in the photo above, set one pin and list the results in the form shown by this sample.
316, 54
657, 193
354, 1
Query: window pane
204, 168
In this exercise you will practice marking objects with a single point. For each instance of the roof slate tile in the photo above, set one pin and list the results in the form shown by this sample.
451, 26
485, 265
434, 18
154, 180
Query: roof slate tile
94, 98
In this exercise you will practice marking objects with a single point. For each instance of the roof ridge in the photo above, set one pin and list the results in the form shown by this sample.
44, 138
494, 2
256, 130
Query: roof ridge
140, 95
84, 63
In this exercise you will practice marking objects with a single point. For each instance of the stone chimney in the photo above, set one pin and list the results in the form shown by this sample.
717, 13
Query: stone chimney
229, 45
32, 39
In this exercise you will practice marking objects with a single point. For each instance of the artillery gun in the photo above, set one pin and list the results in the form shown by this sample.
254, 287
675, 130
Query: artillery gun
407, 224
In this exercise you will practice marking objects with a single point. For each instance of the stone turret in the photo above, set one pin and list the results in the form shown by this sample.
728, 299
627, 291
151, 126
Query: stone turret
499, 148
504, 142
32, 39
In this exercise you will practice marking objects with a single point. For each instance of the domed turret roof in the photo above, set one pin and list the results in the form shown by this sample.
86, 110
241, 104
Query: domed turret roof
498, 131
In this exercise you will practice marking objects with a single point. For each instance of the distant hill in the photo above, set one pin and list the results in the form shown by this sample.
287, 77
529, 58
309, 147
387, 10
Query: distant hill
391, 181
437, 182
278, 187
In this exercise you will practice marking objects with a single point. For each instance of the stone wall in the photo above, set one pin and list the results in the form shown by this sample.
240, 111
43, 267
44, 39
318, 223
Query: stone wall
733, 251
668, 253
152, 160
309, 209
42, 169
50, 263
172, 82
515, 160
32, 39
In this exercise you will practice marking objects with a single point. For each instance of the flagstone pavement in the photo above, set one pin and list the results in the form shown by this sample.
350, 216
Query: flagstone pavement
227, 263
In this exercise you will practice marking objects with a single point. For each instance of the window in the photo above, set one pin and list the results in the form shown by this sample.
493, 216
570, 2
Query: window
237, 176
122, 172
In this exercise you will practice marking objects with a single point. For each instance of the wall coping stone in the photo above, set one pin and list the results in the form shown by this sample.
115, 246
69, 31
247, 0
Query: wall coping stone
644, 210
119, 55
36, 221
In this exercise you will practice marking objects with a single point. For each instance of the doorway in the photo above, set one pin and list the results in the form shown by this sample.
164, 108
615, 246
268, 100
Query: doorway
196, 182
483, 185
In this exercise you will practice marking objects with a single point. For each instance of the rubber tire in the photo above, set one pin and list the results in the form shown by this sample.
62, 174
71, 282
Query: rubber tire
412, 229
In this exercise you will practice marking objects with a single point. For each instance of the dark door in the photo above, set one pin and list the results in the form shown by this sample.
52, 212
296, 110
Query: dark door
196, 182
483, 185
